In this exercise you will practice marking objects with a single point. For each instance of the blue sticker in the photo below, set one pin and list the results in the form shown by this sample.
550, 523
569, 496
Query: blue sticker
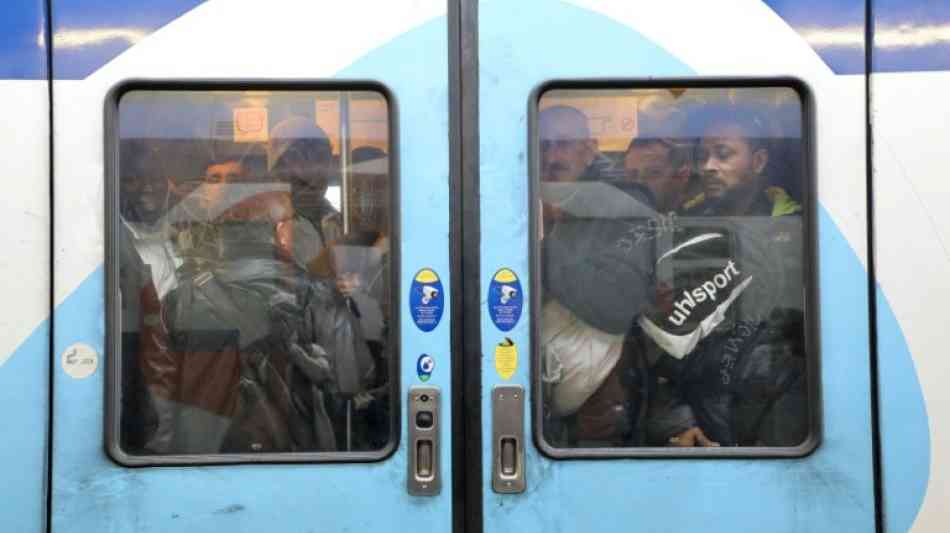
425, 300
505, 299
424, 367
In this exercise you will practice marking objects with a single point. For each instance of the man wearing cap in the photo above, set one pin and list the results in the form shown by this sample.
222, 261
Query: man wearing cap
299, 153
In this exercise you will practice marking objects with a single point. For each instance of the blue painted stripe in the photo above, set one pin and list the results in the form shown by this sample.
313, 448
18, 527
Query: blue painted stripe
22, 40
906, 32
21, 55
87, 34
922, 19
809, 16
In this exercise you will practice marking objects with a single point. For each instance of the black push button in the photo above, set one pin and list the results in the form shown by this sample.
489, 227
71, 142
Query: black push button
424, 419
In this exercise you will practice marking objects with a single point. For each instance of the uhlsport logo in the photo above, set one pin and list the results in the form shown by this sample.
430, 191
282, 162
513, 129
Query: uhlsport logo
706, 290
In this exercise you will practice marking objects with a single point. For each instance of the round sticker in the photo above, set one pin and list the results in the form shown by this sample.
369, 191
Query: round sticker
426, 299
80, 361
424, 367
506, 358
505, 299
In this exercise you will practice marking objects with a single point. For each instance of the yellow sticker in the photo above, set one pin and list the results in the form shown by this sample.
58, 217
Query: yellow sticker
427, 276
506, 358
505, 275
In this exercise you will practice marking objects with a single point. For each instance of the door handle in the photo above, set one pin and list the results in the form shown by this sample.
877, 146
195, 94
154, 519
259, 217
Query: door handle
508, 476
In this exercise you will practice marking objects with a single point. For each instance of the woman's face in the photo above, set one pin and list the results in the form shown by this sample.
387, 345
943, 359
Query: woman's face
728, 160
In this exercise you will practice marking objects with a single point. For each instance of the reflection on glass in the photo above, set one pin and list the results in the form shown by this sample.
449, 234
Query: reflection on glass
672, 274
255, 307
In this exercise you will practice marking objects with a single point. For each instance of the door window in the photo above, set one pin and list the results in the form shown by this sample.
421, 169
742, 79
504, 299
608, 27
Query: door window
674, 270
252, 255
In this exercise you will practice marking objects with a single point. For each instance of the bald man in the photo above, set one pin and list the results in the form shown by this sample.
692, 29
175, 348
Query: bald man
593, 290
568, 151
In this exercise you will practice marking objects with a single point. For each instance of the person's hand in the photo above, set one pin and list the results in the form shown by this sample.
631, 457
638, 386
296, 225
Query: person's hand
312, 361
692, 437
382, 244
362, 400
551, 212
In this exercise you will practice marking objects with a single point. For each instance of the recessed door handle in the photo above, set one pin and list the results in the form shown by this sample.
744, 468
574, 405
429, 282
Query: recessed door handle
424, 459
509, 457
508, 476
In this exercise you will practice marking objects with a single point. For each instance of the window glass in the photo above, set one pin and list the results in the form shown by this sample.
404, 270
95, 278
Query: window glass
672, 268
254, 260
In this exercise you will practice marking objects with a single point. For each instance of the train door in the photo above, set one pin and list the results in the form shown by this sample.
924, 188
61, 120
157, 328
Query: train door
252, 271
24, 341
671, 342
911, 265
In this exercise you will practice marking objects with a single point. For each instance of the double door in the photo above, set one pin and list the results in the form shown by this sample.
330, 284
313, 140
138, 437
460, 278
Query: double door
403, 267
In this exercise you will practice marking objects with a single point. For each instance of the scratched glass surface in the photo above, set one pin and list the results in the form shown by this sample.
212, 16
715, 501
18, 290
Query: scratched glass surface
253, 242
672, 268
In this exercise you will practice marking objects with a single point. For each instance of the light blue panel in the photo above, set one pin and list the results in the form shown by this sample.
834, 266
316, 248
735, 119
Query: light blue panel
905, 435
91, 493
24, 408
520, 45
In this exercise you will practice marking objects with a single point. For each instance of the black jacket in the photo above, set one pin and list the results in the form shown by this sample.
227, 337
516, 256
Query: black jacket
730, 334
256, 347
601, 268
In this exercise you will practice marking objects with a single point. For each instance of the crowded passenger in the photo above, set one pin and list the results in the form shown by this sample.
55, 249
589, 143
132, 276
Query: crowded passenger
632, 353
259, 353
146, 195
249, 315
146, 275
734, 159
360, 259
300, 155
593, 292
664, 167
731, 331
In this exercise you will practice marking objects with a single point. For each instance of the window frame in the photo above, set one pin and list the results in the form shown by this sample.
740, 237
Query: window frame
809, 268
113, 317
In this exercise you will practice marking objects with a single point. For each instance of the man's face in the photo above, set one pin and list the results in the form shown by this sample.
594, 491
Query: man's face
729, 161
650, 165
566, 147
308, 180
146, 194
217, 178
